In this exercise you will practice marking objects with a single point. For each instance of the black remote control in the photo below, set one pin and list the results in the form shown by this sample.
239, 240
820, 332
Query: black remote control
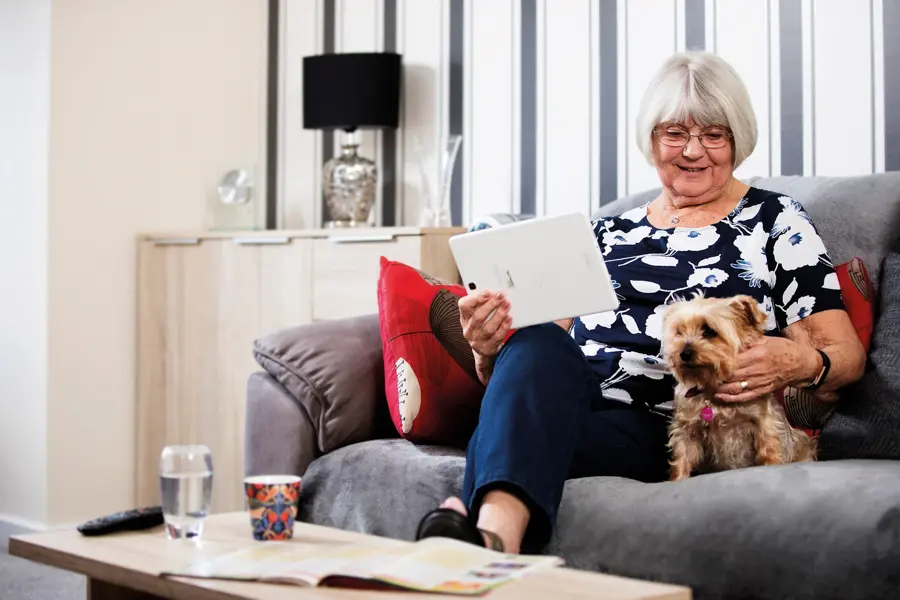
129, 520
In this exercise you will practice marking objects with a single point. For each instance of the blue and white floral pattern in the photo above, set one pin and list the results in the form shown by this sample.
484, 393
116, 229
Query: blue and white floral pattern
767, 248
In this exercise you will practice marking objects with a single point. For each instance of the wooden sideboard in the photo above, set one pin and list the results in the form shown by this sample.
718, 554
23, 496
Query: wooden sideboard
204, 298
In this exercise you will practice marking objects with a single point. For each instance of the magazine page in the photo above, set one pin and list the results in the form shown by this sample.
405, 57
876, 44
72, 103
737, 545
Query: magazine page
260, 562
354, 560
454, 567
432, 565
295, 562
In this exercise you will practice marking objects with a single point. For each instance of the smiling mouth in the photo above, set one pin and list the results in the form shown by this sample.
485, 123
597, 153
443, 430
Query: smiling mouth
692, 169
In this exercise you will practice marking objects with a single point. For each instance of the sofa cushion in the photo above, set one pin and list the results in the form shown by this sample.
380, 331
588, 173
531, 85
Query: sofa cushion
433, 392
790, 531
856, 216
381, 487
313, 362
865, 422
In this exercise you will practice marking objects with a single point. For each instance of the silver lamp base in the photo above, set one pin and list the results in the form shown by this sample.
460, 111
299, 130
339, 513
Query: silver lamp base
349, 185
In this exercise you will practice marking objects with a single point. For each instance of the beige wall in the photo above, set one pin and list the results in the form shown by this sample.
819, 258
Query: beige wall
24, 112
151, 101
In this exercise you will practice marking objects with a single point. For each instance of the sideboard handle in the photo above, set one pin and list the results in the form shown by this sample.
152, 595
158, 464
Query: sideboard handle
360, 239
261, 241
176, 241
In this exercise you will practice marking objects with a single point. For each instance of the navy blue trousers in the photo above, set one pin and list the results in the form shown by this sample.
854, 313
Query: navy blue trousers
543, 421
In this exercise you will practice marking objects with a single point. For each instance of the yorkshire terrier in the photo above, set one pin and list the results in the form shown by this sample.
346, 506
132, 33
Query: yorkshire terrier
701, 341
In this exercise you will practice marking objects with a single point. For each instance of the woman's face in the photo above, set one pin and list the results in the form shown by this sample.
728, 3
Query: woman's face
693, 173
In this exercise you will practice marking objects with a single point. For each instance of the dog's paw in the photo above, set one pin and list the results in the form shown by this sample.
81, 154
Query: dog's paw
679, 472
770, 455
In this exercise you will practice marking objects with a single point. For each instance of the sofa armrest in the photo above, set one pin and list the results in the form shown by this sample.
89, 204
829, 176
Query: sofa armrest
335, 371
278, 435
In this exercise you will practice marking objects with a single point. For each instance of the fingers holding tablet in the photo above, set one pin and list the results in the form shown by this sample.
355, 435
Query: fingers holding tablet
468, 304
485, 316
485, 320
503, 328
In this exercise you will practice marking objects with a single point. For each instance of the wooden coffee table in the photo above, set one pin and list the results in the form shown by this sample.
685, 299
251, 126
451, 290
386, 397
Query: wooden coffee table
126, 566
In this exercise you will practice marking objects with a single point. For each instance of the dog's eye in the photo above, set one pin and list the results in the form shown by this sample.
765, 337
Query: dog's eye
709, 332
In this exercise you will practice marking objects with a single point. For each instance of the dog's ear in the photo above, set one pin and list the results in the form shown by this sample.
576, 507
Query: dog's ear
670, 308
747, 309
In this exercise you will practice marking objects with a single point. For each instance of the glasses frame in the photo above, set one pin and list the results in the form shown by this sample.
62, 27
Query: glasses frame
657, 131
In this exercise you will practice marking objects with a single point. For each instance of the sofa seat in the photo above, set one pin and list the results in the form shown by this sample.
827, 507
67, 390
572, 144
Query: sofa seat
801, 530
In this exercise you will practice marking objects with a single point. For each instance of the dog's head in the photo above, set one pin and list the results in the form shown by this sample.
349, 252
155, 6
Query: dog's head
702, 337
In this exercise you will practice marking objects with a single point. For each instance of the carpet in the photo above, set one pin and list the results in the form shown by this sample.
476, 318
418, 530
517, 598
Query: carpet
22, 579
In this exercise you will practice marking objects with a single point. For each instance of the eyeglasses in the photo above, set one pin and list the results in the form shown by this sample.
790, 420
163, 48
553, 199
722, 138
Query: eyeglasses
677, 137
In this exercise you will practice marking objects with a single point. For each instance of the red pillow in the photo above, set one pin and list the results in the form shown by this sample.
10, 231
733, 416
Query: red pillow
432, 389
856, 288
803, 410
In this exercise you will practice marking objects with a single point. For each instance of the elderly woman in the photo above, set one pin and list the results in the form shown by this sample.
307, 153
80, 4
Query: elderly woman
591, 396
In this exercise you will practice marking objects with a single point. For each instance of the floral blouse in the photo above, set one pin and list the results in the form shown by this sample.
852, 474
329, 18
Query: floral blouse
767, 247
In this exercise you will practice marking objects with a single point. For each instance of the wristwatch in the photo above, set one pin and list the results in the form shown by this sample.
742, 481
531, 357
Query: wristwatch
820, 378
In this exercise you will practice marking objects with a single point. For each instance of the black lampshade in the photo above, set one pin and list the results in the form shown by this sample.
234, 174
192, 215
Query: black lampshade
346, 91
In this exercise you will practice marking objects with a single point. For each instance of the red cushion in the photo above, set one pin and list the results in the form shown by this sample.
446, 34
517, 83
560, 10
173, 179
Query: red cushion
803, 410
432, 389
856, 288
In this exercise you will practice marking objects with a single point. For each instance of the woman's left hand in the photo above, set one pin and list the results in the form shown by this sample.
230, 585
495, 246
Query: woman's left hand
768, 365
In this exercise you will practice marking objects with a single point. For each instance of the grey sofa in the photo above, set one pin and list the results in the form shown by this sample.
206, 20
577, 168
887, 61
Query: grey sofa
829, 529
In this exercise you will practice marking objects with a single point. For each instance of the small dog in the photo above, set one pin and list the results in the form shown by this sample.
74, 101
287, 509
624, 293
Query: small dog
701, 341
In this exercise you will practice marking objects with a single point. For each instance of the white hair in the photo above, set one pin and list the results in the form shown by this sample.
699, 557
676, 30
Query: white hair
702, 87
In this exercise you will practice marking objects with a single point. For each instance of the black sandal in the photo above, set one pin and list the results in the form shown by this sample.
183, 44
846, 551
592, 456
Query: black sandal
448, 523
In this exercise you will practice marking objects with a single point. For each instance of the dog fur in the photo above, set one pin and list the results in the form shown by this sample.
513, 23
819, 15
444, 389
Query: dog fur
701, 340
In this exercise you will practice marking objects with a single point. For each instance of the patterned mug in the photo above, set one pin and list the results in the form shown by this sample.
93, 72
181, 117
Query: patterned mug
272, 501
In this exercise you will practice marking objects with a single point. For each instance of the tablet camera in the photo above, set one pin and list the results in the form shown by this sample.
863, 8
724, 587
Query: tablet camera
472, 285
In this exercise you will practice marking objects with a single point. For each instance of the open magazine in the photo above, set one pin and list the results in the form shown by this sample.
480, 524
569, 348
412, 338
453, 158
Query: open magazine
431, 565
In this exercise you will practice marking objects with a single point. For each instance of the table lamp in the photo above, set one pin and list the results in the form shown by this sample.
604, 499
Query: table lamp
351, 91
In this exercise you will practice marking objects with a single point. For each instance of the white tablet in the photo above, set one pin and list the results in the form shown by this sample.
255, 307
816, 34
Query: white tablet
550, 268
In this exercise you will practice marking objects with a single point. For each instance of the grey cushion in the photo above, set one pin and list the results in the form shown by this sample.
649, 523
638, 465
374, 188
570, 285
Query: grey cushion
381, 487
336, 372
856, 216
866, 422
820, 530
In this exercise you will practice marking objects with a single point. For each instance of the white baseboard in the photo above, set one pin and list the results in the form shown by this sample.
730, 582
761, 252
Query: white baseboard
9, 522
19, 525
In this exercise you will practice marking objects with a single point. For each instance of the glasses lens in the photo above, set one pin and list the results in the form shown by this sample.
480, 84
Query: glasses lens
714, 139
672, 136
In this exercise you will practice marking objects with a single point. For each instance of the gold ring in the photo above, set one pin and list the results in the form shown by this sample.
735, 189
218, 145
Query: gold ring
744, 386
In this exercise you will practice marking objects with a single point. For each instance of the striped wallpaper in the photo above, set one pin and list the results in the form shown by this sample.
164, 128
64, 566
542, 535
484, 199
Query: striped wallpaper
545, 98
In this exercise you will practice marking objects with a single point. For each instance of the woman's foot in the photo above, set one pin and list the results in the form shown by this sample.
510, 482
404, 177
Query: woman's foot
452, 521
456, 504
501, 521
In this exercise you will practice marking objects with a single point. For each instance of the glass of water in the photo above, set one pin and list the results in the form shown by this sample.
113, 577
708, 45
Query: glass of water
185, 482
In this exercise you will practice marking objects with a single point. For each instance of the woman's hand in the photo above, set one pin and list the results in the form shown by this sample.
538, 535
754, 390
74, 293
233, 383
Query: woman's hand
768, 365
485, 321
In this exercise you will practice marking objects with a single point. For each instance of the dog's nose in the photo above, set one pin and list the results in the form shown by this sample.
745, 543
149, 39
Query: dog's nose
687, 355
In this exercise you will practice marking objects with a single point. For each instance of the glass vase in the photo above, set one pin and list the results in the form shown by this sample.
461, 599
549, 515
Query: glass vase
436, 212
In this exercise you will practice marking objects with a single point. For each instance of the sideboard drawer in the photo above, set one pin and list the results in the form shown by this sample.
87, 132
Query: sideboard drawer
345, 271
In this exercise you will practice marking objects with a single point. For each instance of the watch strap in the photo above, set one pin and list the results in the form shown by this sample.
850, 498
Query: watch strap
820, 378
